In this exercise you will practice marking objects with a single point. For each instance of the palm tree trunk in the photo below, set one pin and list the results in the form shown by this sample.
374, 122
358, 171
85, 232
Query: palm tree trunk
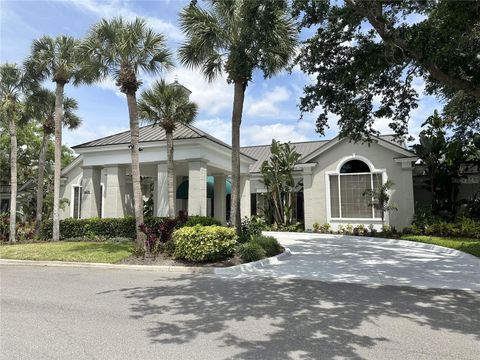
13, 179
41, 174
170, 175
135, 152
238, 98
58, 160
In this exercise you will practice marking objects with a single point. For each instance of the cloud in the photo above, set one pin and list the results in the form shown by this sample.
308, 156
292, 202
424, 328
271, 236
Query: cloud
216, 127
212, 98
85, 134
113, 8
263, 134
268, 105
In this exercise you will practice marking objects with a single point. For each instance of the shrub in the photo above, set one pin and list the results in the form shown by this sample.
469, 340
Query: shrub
158, 230
268, 243
359, 230
411, 230
202, 220
4, 226
204, 243
251, 251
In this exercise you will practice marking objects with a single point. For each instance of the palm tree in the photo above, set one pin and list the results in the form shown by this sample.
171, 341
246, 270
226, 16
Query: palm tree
237, 37
123, 49
40, 106
379, 199
12, 84
168, 105
57, 59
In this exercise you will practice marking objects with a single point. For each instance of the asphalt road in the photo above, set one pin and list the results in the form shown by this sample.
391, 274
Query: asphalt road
78, 313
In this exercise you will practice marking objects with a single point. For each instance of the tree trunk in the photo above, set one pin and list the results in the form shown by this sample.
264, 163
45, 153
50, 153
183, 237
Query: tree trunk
170, 175
13, 179
136, 182
238, 98
41, 174
58, 159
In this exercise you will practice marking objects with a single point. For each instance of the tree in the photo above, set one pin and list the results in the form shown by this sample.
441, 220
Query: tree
380, 199
364, 56
57, 59
12, 84
446, 159
168, 105
277, 175
40, 106
237, 37
123, 50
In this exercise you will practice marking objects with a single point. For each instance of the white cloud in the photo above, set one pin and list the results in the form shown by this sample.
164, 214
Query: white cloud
268, 105
109, 84
113, 8
263, 134
216, 127
212, 98
85, 134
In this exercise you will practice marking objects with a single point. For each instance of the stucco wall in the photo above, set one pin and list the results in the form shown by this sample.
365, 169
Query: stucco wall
381, 158
73, 177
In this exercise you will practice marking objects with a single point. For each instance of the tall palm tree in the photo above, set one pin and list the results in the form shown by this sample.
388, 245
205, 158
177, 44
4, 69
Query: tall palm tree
57, 59
40, 105
168, 105
12, 84
237, 37
123, 50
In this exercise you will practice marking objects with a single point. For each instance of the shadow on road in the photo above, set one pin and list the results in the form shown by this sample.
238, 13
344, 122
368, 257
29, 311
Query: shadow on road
309, 318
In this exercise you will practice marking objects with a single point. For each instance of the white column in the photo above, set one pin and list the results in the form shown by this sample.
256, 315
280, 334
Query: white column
245, 199
91, 192
197, 188
161, 191
220, 195
308, 205
114, 204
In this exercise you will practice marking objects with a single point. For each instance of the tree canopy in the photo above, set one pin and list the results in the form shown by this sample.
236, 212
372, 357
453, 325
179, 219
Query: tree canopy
364, 56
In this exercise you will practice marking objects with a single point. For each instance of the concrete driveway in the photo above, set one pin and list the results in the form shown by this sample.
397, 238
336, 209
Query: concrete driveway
363, 260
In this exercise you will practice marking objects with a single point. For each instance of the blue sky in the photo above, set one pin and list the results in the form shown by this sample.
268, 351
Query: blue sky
270, 109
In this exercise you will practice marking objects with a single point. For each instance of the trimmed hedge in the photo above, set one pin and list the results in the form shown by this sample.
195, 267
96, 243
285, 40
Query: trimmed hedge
251, 251
204, 243
94, 227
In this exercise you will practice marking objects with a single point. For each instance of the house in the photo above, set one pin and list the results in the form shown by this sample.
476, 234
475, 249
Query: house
333, 175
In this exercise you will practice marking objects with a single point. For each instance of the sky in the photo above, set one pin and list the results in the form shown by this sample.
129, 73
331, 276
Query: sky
271, 105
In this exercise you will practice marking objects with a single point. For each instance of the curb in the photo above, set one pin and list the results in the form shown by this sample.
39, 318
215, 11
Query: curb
253, 265
162, 268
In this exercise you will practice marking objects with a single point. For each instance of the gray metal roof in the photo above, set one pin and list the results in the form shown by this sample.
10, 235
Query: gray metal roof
151, 133
262, 152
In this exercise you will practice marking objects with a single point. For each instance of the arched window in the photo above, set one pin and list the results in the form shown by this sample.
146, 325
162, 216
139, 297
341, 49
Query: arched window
354, 166
347, 188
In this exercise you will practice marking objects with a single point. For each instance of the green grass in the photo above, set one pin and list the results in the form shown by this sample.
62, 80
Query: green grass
471, 246
68, 251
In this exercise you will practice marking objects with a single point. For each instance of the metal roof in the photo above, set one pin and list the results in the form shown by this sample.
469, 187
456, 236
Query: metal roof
262, 152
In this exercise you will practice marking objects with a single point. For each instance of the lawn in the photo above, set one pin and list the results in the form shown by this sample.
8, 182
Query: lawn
68, 251
471, 246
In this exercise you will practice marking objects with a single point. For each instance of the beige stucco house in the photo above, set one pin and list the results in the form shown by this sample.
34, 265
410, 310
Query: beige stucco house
333, 175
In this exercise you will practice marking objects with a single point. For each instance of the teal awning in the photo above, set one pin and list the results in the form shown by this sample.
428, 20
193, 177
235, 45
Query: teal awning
182, 190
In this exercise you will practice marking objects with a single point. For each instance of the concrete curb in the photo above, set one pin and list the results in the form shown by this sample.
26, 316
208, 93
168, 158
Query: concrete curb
248, 267
182, 269
160, 268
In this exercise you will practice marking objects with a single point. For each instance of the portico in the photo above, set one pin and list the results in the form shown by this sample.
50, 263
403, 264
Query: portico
202, 166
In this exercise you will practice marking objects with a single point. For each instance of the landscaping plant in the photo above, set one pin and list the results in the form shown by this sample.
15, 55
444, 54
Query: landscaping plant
251, 251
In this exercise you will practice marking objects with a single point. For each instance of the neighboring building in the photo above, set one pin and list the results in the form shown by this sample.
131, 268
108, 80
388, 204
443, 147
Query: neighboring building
333, 175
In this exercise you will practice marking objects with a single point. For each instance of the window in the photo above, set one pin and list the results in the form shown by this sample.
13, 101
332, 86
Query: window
77, 202
100, 210
347, 188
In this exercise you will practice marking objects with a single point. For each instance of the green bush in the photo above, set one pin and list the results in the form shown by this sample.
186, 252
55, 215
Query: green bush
202, 220
96, 227
268, 243
251, 251
251, 227
204, 243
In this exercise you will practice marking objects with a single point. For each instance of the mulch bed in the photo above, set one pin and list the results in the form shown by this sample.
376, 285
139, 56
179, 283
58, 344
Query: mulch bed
163, 260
